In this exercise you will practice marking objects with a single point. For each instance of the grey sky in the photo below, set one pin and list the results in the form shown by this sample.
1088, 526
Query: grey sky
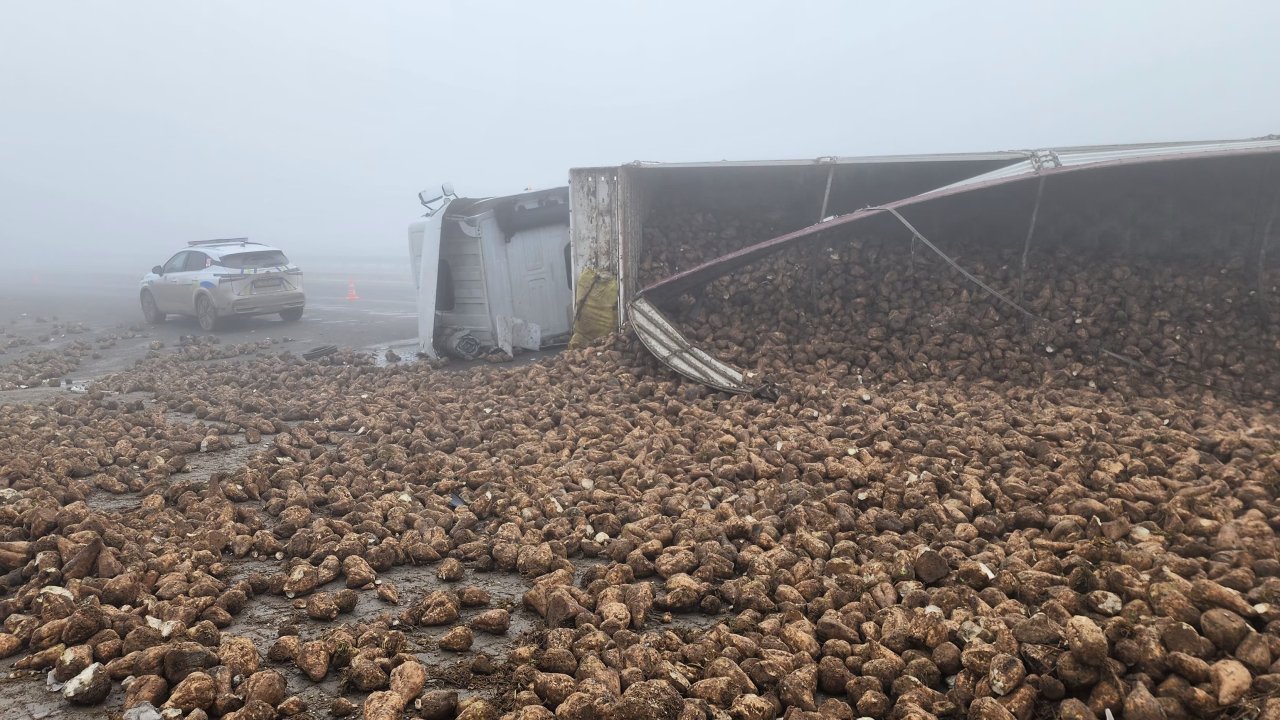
129, 127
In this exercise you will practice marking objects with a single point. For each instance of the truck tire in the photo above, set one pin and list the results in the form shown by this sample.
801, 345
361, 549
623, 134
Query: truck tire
151, 311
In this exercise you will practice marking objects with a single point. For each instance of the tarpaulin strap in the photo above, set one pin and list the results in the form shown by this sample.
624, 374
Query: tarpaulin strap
972, 278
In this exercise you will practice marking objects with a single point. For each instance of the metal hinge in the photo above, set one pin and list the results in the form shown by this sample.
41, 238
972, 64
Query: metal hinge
1041, 159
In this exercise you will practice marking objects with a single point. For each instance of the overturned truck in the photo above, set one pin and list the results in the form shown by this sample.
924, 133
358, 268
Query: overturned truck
493, 274
662, 246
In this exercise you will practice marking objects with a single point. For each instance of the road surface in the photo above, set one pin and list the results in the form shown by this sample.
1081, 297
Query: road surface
384, 315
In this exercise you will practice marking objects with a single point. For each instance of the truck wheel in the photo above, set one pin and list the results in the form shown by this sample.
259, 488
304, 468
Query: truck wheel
206, 313
291, 315
150, 310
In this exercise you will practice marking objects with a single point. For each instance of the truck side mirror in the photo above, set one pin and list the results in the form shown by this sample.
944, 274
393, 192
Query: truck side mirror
158, 270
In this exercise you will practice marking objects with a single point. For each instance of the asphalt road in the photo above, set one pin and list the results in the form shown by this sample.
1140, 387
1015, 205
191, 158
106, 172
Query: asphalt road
384, 311
384, 315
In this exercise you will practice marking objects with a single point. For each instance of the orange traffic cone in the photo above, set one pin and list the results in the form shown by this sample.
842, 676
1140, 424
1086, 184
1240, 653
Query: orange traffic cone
351, 290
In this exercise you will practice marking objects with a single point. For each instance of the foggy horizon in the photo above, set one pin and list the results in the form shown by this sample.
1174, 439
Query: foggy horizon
133, 128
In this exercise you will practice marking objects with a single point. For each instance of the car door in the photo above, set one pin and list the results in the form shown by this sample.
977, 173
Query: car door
165, 289
188, 281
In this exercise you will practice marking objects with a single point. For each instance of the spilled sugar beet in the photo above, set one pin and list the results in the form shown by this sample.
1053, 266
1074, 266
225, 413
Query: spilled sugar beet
939, 517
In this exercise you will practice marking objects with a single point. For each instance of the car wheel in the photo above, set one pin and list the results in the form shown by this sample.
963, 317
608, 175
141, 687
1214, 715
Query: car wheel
150, 310
291, 315
206, 313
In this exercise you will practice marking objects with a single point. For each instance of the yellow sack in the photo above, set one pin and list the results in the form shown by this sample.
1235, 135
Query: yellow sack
595, 307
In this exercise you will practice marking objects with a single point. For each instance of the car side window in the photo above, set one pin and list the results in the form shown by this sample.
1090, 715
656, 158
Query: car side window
176, 263
196, 261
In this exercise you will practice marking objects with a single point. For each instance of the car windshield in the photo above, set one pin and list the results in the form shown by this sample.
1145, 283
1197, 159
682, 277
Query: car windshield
258, 259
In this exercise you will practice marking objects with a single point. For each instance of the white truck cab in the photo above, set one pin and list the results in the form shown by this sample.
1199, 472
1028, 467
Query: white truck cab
492, 274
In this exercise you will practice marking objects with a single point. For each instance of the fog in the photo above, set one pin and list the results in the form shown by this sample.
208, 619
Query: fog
128, 128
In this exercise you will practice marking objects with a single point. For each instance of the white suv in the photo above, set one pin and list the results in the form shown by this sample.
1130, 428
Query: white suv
213, 279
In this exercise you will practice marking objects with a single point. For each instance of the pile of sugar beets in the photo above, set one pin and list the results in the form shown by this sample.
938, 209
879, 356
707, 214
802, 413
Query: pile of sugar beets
946, 514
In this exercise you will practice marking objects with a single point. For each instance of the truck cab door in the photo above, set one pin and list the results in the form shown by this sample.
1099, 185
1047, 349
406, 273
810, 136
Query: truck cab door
540, 285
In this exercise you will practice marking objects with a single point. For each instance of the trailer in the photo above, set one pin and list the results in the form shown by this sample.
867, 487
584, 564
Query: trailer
484, 280
659, 233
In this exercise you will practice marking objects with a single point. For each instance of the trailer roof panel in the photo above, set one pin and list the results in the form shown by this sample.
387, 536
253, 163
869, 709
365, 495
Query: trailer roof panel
1101, 155
1083, 153
822, 161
